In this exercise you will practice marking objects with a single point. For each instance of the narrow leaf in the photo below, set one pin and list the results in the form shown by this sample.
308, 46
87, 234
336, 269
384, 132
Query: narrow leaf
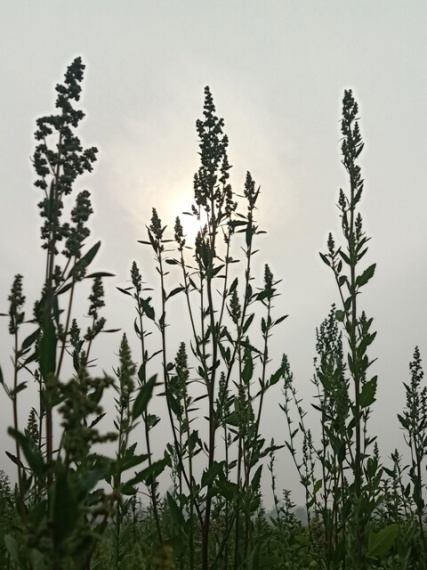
144, 396
31, 339
325, 259
48, 350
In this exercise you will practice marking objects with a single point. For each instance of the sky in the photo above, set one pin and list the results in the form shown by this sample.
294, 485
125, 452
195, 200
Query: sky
277, 70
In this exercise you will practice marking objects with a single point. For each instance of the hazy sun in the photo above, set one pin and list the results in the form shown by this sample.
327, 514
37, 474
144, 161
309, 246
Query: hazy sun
181, 206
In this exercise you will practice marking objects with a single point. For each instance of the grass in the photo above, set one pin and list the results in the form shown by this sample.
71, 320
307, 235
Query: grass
76, 508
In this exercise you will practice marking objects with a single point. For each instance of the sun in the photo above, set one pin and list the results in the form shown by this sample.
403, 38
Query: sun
180, 206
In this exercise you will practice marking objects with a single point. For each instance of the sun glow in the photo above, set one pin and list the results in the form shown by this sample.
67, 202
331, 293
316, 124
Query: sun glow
181, 207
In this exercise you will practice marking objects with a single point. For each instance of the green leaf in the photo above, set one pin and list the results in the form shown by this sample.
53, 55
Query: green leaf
147, 308
256, 480
233, 285
97, 420
31, 452
124, 291
65, 508
21, 386
47, 350
366, 276
100, 274
266, 293
15, 460
31, 339
339, 315
85, 261
127, 489
367, 395
347, 303
367, 340
403, 421
175, 292
150, 474
175, 511
12, 548
325, 259
253, 559
65, 288
280, 319
212, 473
344, 257
228, 490
380, 543
248, 323
232, 419
125, 462
95, 469
173, 403
144, 396
274, 378
248, 368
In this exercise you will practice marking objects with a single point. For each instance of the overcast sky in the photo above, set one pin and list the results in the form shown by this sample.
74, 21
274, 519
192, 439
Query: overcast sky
277, 71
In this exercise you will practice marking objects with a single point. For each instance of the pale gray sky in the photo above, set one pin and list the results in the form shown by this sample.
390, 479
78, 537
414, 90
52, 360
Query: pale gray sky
277, 70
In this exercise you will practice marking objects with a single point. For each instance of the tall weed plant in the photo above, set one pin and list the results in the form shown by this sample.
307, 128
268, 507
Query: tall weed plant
75, 507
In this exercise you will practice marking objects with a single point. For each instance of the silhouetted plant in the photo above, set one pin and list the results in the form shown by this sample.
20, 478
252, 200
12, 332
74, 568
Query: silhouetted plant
414, 423
61, 515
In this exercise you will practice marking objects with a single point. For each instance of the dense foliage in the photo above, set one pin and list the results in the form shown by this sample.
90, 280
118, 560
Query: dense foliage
74, 507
